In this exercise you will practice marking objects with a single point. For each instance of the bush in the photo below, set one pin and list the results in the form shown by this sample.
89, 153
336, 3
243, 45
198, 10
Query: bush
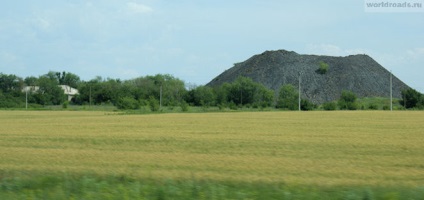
347, 101
329, 106
127, 103
184, 106
154, 104
143, 102
264, 105
373, 107
288, 98
9, 101
307, 105
65, 104
323, 68
412, 99
232, 106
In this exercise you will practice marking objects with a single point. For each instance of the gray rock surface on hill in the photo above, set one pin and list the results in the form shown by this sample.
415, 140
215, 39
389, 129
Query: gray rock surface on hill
357, 73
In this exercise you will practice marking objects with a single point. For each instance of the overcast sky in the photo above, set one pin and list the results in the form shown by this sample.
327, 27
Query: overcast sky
196, 40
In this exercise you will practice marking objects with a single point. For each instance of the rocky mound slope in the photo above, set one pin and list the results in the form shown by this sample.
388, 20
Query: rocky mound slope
357, 73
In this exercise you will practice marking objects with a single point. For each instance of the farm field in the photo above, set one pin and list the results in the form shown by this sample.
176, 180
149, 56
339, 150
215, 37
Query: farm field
317, 153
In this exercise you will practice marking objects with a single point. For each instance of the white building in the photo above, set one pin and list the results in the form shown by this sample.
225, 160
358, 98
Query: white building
67, 90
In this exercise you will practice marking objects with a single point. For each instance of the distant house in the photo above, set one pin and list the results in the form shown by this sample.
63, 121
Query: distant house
67, 90
30, 89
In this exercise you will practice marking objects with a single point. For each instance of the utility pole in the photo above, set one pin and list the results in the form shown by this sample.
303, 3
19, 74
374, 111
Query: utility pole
26, 98
241, 96
391, 92
90, 96
160, 98
299, 90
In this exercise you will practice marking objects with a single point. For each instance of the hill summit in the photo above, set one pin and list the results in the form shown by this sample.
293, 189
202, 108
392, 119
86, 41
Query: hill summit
357, 73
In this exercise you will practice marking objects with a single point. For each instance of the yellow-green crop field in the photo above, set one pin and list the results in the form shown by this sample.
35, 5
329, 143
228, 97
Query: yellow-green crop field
371, 148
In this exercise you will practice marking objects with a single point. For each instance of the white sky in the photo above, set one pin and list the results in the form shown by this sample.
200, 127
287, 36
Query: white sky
199, 39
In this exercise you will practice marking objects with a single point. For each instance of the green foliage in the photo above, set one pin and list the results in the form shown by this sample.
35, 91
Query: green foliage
242, 93
288, 98
347, 101
142, 88
71, 186
329, 106
412, 99
373, 107
127, 103
202, 96
11, 95
221, 94
65, 104
307, 105
184, 106
49, 92
31, 81
154, 104
8, 100
323, 67
10, 83
65, 78
232, 106
173, 89
245, 91
376, 103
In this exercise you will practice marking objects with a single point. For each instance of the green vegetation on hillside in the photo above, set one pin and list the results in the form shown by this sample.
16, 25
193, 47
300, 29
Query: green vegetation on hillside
323, 67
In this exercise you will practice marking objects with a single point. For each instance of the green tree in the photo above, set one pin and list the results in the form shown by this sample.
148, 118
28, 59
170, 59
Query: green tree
140, 89
288, 98
31, 81
184, 106
222, 94
244, 91
64, 78
263, 96
329, 106
89, 91
412, 99
173, 89
127, 103
347, 101
307, 105
70, 79
10, 83
8, 100
49, 93
202, 96
323, 67
53, 76
154, 104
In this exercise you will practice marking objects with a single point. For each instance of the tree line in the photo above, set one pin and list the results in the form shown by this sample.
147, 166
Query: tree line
165, 90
